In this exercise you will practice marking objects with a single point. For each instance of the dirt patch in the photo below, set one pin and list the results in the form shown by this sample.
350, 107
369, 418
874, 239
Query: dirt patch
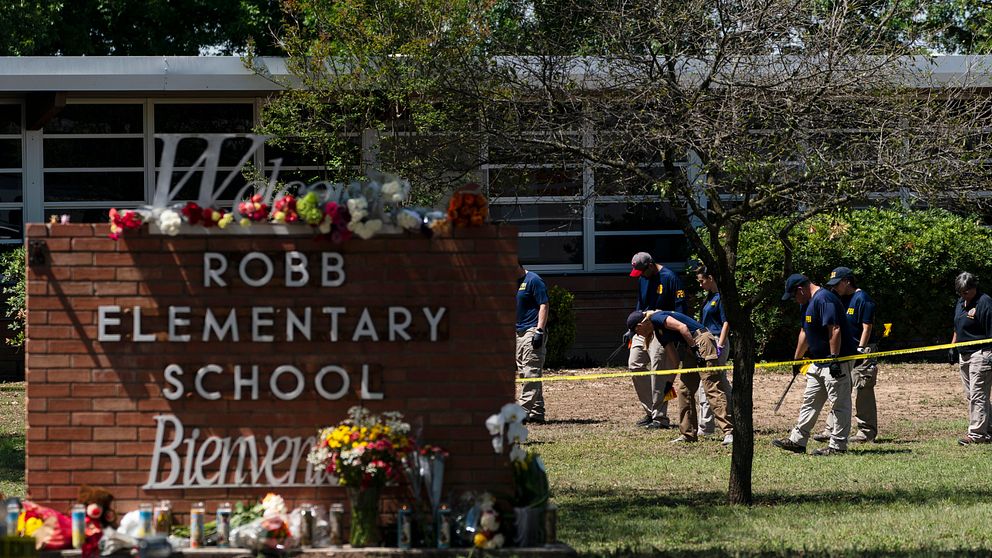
905, 392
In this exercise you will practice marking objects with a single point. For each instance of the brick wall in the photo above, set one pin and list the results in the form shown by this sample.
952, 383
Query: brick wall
92, 405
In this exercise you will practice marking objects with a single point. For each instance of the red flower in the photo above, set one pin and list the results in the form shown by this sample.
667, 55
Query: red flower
193, 213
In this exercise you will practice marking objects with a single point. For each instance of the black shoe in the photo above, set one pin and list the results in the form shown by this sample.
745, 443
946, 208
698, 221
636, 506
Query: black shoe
534, 420
658, 425
789, 445
646, 420
822, 437
971, 440
829, 451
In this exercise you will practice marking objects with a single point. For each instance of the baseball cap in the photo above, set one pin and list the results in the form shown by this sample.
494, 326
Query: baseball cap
633, 319
839, 273
640, 262
794, 280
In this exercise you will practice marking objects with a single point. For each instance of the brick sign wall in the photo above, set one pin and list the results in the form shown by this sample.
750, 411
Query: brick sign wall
124, 392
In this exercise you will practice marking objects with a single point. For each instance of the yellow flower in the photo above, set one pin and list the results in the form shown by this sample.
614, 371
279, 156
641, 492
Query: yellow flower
479, 540
32, 525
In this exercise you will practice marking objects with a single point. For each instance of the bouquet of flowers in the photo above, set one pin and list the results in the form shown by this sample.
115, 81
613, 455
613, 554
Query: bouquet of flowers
468, 207
530, 478
365, 450
121, 221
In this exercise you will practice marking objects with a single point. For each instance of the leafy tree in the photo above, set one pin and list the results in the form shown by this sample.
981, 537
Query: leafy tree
136, 27
729, 112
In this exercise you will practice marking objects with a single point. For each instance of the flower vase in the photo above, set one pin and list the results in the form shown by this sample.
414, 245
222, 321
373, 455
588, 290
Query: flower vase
529, 523
364, 517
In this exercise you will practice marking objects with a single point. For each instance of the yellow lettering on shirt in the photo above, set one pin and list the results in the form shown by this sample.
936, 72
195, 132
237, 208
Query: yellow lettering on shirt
523, 287
809, 319
661, 289
679, 294
850, 311
713, 303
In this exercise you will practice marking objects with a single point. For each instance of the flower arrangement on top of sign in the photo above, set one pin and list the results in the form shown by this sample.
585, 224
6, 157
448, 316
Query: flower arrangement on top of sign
336, 212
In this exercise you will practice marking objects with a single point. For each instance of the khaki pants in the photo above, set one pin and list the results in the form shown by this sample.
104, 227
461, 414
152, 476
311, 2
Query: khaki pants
707, 422
650, 389
530, 362
687, 384
863, 378
976, 377
821, 387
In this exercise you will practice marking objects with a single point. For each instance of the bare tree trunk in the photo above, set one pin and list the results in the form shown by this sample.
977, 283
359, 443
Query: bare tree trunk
739, 491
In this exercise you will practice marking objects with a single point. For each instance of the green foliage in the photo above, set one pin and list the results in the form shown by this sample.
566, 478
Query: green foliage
905, 260
13, 269
561, 326
136, 27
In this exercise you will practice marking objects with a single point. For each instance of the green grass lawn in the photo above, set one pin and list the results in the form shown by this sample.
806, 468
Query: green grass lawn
631, 492
12, 439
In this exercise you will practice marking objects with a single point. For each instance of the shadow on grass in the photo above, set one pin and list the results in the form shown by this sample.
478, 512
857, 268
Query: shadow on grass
633, 515
12, 458
576, 421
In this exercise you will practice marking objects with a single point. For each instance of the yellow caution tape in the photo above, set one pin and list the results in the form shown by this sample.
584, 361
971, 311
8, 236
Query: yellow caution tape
805, 363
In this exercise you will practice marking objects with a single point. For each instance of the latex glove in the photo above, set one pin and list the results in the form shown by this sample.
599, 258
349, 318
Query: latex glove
864, 350
797, 369
719, 351
627, 336
835, 370
700, 361
953, 355
538, 340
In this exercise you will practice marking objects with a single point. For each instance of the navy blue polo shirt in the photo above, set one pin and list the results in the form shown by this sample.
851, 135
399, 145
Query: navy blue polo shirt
975, 321
712, 315
667, 335
663, 291
823, 310
860, 311
531, 294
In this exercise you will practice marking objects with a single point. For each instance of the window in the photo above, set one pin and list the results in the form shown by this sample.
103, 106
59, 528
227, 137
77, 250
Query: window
11, 173
94, 157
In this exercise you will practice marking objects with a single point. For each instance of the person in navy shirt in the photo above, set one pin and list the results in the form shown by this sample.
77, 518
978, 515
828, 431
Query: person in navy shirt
714, 318
532, 317
825, 334
658, 288
860, 315
973, 322
666, 327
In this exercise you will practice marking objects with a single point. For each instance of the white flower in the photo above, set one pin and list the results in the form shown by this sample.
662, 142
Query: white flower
273, 505
498, 444
495, 425
358, 208
517, 453
367, 229
516, 433
409, 219
395, 189
325, 226
511, 412
169, 222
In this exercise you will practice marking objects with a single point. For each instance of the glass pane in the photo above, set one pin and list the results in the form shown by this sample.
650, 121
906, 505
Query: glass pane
619, 249
10, 154
89, 153
535, 182
613, 182
11, 224
190, 149
531, 150
551, 250
80, 214
190, 190
450, 152
10, 119
543, 217
204, 118
10, 187
634, 216
97, 119
90, 186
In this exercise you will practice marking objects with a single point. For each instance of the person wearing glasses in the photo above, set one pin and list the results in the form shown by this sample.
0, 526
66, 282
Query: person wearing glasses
973, 322
825, 333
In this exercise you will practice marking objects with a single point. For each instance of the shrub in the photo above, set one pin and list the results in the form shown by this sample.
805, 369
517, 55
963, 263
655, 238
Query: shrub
13, 268
906, 261
561, 326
